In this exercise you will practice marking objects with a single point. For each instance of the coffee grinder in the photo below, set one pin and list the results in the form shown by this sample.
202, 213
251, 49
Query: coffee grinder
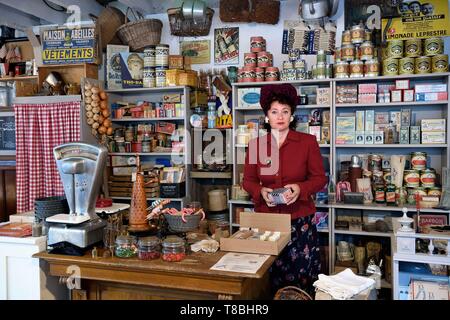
80, 166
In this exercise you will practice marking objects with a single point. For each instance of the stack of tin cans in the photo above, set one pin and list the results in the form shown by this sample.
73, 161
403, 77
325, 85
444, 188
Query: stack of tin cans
156, 63
414, 56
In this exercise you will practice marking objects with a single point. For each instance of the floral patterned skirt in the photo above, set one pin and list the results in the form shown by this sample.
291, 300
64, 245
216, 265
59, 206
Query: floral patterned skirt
299, 262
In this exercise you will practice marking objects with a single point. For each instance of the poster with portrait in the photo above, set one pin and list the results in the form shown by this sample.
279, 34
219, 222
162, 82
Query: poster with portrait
226, 46
198, 50
132, 69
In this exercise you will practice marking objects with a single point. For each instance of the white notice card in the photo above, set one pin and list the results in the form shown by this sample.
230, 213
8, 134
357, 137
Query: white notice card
240, 262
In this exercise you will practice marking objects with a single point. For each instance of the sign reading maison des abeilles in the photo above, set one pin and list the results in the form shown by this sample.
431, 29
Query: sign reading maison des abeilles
69, 46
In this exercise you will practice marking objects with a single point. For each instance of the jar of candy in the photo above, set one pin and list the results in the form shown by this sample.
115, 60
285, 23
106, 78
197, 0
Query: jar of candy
173, 249
125, 247
149, 248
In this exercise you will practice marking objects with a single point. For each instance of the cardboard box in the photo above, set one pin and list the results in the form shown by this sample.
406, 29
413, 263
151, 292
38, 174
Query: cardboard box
433, 125
165, 127
323, 96
405, 116
264, 222
379, 137
198, 98
402, 84
414, 135
433, 137
345, 124
315, 131
370, 120
429, 290
345, 137
369, 137
359, 137
172, 98
426, 88
249, 97
404, 135
360, 120
408, 95
396, 95
381, 117
431, 96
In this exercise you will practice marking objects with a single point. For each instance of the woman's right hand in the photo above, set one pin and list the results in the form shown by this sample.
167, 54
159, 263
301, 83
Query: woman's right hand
265, 194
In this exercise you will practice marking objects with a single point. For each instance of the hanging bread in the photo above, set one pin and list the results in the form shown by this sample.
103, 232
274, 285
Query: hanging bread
95, 97
96, 110
109, 131
103, 95
103, 105
95, 90
94, 104
90, 121
87, 86
95, 125
105, 113
88, 93
87, 100
88, 107
96, 117
107, 123
102, 130
100, 119
89, 114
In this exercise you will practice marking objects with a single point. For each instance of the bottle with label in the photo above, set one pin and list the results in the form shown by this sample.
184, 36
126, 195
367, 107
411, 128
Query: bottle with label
380, 194
390, 134
390, 195
331, 190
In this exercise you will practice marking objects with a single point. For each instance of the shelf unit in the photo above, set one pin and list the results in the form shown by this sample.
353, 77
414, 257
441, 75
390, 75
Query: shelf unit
439, 154
156, 95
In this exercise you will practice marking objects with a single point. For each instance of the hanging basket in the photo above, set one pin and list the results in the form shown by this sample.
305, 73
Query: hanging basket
141, 33
179, 26
107, 23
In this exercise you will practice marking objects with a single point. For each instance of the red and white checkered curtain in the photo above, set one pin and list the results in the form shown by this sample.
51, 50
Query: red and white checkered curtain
39, 128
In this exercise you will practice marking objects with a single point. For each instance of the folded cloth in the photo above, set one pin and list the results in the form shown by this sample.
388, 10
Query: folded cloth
344, 285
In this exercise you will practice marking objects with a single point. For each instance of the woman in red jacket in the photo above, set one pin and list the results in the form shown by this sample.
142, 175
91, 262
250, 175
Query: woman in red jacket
285, 158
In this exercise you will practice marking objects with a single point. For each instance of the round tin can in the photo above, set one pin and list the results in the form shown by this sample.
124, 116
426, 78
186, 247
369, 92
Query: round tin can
395, 49
300, 74
257, 44
248, 74
321, 69
259, 74
329, 71
294, 55
250, 59
418, 160
321, 57
375, 162
341, 69
149, 57
346, 37
411, 178
367, 35
390, 67
439, 63
149, 78
412, 194
372, 68
367, 50
263, 59
288, 64
434, 191
299, 64
356, 69
357, 33
428, 178
289, 74
433, 46
272, 74
239, 74
337, 54
162, 55
161, 76
348, 52
413, 48
422, 65
146, 146
406, 65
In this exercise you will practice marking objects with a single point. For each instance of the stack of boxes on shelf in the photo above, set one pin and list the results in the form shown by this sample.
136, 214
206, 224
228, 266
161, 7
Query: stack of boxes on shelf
316, 123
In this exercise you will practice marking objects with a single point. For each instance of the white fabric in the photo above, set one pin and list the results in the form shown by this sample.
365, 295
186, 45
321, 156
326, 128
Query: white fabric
344, 285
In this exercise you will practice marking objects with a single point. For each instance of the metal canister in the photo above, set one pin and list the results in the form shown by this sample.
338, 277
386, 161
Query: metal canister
395, 49
272, 74
300, 74
257, 44
422, 65
375, 162
413, 48
329, 71
149, 57
162, 55
337, 54
367, 50
418, 160
434, 191
390, 67
371, 68
250, 59
377, 177
321, 57
149, 78
294, 54
259, 74
348, 52
288, 65
367, 35
428, 178
411, 178
341, 69
356, 69
299, 64
412, 194
146, 146
263, 59
346, 37
248, 74
161, 76
357, 33
387, 176
321, 70
406, 65
439, 63
289, 74
433, 46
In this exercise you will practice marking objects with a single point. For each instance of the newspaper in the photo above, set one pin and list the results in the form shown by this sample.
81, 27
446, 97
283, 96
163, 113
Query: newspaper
240, 262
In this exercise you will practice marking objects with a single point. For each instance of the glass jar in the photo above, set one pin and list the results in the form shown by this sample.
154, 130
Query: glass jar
129, 134
125, 247
173, 249
149, 248
222, 230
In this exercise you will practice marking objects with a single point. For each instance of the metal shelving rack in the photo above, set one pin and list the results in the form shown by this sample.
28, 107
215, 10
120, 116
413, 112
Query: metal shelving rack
156, 94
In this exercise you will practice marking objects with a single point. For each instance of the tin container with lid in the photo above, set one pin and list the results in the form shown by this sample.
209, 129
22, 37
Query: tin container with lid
288, 64
321, 57
433, 46
250, 59
411, 178
390, 67
272, 74
321, 70
125, 247
375, 162
348, 52
428, 178
149, 78
263, 59
346, 37
356, 69
422, 65
149, 248
357, 34
367, 50
160, 76
406, 65
371, 68
173, 249
150, 57
162, 55
248, 74
413, 48
434, 191
294, 55
259, 74
395, 49
418, 160
341, 69
439, 63
257, 44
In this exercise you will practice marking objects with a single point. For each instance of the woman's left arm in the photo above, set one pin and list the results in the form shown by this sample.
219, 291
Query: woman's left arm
315, 179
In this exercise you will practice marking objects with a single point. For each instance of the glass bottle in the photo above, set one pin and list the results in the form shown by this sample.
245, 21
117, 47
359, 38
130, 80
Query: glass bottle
390, 195
380, 195
331, 190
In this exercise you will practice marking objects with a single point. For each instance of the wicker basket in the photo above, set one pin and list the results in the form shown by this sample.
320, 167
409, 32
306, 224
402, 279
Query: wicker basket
107, 23
291, 293
140, 33
177, 225
179, 26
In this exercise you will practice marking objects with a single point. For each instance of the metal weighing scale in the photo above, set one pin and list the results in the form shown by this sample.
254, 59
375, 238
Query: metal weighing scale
80, 166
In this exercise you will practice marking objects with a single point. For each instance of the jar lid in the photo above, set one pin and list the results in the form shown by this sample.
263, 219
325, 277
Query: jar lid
173, 242
149, 241
125, 239
222, 223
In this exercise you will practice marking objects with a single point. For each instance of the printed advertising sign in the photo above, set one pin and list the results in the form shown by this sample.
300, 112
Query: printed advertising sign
418, 19
69, 46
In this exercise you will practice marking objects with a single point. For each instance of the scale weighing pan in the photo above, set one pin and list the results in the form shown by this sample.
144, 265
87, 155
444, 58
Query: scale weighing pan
67, 218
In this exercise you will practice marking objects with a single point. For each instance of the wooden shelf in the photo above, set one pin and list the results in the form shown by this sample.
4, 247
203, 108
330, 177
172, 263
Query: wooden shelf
144, 90
151, 199
19, 78
210, 175
364, 233
383, 207
391, 104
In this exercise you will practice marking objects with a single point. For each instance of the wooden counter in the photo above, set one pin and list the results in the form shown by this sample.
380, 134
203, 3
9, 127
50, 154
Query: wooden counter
116, 278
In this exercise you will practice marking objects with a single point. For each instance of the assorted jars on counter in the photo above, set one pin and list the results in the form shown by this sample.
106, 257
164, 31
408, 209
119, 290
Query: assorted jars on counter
173, 249
149, 248
125, 247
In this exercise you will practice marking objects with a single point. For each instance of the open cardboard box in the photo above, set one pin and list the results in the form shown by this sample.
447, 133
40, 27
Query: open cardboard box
264, 222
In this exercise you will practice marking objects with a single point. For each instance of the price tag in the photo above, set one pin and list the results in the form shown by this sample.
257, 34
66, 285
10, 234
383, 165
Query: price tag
133, 177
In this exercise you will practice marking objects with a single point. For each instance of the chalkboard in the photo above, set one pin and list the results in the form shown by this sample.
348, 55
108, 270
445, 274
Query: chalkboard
7, 132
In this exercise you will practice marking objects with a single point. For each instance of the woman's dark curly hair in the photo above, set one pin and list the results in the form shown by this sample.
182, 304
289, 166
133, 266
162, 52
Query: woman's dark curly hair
281, 93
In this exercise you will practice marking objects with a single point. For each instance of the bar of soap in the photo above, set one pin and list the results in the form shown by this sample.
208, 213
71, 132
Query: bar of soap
274, 237
263, 237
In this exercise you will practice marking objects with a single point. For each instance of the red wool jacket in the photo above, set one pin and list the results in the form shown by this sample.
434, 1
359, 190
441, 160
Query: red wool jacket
299, 161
